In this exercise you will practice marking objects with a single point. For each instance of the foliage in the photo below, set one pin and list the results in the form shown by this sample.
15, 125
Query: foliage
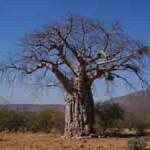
42, 121
12, 120
136, 144
138, 121
108, 115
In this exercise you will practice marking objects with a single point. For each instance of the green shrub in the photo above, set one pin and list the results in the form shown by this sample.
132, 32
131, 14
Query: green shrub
107, 116
46, 120
12, 120
136, 144
41, 121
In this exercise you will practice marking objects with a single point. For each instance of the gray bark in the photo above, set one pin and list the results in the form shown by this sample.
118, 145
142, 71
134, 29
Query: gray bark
79, 113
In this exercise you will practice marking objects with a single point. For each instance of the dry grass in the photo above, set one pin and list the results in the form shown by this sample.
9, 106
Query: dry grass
29, 141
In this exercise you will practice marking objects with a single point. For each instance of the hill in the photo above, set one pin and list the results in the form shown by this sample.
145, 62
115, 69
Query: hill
138, 101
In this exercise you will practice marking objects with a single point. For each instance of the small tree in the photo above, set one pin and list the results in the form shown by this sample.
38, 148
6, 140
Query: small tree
108, 114
78, 51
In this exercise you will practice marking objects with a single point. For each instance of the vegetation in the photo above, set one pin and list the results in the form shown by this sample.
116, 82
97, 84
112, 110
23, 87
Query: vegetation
42, 121
110, 120
77, 51
136, 144
138, 121
108, 115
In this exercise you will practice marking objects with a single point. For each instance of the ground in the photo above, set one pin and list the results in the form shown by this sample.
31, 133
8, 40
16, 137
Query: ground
38, 141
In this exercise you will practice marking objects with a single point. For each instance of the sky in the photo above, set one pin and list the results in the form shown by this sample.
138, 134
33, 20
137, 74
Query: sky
18, 17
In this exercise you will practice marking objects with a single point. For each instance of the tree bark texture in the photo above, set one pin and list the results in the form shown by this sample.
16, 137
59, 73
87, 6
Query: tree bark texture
79, 113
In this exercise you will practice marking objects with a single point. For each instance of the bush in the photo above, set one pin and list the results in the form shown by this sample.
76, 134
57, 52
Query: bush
136, 144
107, 116
12, 120
138, 121
46, 120
41, 121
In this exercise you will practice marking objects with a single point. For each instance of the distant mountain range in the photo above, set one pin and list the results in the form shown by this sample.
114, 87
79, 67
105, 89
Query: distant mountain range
138, 101
32, 107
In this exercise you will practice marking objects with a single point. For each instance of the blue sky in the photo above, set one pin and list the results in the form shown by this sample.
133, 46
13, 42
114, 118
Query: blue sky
20, 16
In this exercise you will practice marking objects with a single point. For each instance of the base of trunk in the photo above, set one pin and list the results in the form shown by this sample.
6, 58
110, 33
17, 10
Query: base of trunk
79, 115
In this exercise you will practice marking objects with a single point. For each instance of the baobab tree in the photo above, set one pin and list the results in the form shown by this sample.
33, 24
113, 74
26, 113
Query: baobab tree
78, 51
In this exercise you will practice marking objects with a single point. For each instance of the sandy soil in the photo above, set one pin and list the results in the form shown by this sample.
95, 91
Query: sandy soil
30, 141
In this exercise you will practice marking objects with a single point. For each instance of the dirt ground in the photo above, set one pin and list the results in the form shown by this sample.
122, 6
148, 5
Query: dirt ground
29, 141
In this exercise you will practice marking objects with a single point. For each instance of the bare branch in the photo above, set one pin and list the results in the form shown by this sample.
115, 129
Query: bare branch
79, 48
124, 79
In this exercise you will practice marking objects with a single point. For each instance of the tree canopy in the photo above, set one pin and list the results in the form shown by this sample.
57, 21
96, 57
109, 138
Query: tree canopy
76, 45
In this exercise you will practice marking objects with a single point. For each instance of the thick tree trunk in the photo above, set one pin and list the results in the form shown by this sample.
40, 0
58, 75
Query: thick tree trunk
79, 114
